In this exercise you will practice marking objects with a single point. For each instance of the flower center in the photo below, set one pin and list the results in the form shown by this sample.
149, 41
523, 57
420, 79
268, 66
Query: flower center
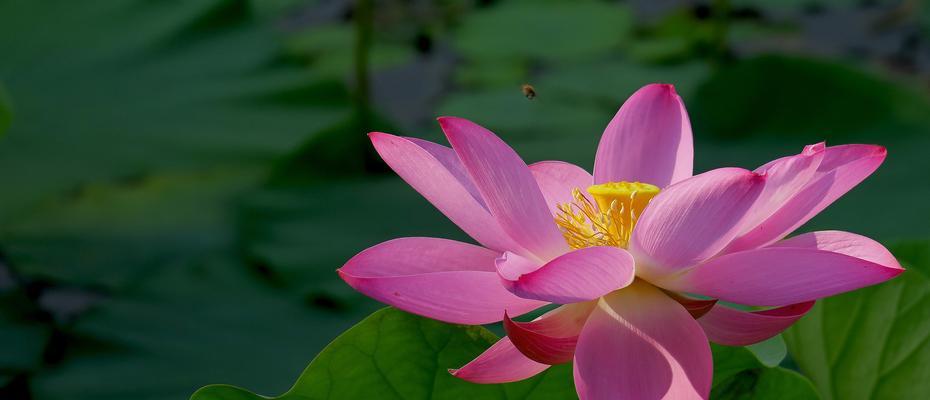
609, 221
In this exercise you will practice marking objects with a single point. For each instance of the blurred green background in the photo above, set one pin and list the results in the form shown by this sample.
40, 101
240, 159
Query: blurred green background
179, 179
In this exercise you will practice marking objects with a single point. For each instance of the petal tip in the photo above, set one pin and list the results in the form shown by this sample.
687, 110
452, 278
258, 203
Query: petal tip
667, 88
895, 271
445, 121
379, 138
815, 148
346, 277
454, 126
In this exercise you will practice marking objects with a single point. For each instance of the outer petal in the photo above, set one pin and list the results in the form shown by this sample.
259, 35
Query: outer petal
841, 242
556, 179
801, 269
550, 339
693, 220
783, 179
501, 363
579, 275
507, 187
732, 327
435, 172
842, 168
640, 344
649, 140
436, 278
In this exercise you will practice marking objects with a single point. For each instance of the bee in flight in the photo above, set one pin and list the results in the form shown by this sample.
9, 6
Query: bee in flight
529, 91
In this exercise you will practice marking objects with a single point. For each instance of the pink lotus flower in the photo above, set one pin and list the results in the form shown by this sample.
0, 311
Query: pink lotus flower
619, 249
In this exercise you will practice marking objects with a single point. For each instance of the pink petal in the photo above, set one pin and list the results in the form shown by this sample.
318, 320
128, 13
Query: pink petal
640, 344
732, 327
436, 278
693, 220
556, 179
649, 140
436, 173
842, 168
783, 179
550, 339
801, 269
501, 363
507, 187
841, 242
579, 275
512, 266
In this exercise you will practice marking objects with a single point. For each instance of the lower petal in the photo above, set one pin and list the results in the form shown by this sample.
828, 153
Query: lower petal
640, 344
550, 339
777, 276
500, 363
576, 276
732, 327
436, 278
841, 242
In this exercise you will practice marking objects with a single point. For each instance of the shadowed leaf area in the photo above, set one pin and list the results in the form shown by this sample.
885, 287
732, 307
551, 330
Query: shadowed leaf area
739, 375
395, 355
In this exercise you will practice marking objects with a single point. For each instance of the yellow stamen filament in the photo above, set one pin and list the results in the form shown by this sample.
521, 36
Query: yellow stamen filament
610, 219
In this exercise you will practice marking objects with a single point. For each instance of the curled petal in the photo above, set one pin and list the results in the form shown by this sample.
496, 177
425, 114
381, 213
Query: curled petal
842, 168
731, 327
551, 338
557, 179
436, 278
640, 344
693, 220
800, 269
435, 172
576, 276
507, 187
648, 140
501, 363
511, 266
